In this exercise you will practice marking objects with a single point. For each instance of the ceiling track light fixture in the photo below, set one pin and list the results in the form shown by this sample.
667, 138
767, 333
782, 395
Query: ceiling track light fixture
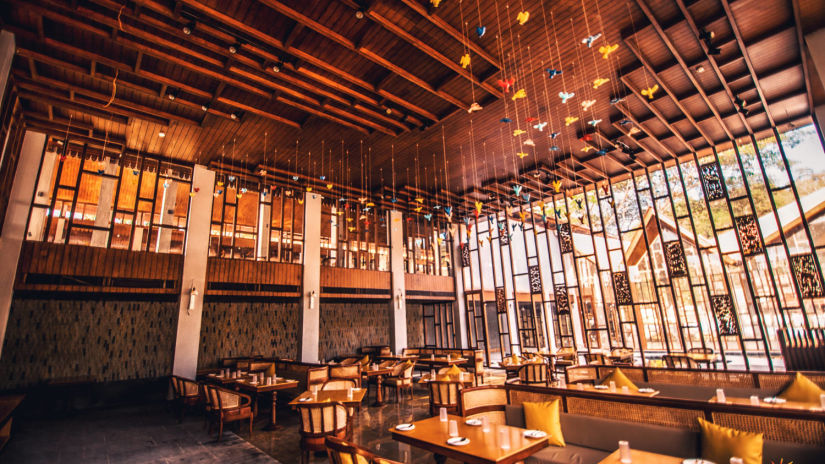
235, 47
172, 93
189, 27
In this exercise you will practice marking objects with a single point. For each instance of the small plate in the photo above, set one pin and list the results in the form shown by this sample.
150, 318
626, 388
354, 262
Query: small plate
775, 400
601, 387
405, 427
304, 399
458, 441
535, 433
697, 461
646, 390
473, 422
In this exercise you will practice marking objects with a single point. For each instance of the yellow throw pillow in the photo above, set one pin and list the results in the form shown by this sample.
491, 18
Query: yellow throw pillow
544, 416
719, 444
364, 361
802, 389
453, 371
270, 371
347, 459
621, 380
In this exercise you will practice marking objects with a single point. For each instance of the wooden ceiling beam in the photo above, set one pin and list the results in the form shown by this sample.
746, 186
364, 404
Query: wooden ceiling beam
440, 23
371, 55
267, 39
629, 115
320, 113
685, 69
49, 98
258, 111
803, 56
397, 30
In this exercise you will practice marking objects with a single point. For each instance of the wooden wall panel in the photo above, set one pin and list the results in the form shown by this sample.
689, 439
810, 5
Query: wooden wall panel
429, 287
234, 277
354, 283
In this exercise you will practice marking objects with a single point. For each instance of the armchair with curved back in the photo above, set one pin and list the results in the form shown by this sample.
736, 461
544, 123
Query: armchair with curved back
338, 384
534, 374
350, 371
228, 406
187, 394
596, 358
443, 394
343, 452
679, 361
401, 379
319, 421
566, 357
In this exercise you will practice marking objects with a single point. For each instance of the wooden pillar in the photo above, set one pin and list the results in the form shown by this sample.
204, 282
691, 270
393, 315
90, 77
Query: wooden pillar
167, 214
310, 317
193, 278
14, 225
398, 296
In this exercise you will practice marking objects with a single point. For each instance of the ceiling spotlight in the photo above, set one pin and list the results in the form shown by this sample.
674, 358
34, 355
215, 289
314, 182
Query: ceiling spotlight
234, 48
235, 116
276, 67
189, 27
706, 35
161, 134
171, 93
359, 13
700, 69
388, 110
205, 107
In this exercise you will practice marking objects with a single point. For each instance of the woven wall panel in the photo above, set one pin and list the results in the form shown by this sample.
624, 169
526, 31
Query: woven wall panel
636, 374
415, 325
345, 327
778, 381
706, 379
807, 432
104, 340
658, 415
247, 328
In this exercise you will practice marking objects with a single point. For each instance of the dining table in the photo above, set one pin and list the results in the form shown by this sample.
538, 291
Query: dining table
378, 374
617, 391
249, 385
792, 405
331, 396
431, 434
642, 457
398, 357
704, 358
466, 378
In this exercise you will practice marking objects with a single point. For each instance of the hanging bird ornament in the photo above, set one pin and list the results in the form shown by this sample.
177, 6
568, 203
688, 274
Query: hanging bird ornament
552, 72
521, 93
540, 126
557, 186
480, 31
650, 91
566, 96
570, 120
553, 135
606, 50
521, 154
600, 82
465, 60
587, 104
474, 107
517, 189
590, 39
529, 143
435, 3
448, 212
505, 120
522, 17
505, 84
518, 132
594, 122
587, 148
616, 100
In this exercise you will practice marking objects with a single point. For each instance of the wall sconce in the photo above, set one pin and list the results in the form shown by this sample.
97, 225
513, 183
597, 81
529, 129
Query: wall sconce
193, 295
312, 299
399, 298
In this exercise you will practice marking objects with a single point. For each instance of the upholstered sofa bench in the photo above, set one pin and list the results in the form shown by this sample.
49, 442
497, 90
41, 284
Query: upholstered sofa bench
590, 439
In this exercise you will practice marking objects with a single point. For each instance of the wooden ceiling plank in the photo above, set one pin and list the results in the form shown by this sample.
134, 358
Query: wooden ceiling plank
389, 25
685, 69
371, 55
51, 97
627, 114
451, 31
800, 40
257, 111
316, 112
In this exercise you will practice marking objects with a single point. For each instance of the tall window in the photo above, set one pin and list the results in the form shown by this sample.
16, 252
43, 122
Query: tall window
427, 246
84, 197
354, 235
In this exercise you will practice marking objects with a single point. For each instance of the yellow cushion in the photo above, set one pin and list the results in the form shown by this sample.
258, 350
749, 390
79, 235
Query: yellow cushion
453, 371
270, 371
364, 361
347, 459
621, 380
719, 444
544, 416
802, 389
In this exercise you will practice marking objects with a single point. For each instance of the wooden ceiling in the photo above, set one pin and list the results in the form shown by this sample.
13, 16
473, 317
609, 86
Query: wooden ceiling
388, 87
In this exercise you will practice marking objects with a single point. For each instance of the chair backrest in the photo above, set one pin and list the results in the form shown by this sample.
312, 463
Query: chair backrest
342, 452
595, 358
488, 400
220, 398
581, 374
188, 387
317, 375
258, 366
700, 350
679, 361
533, 374
176, 389
338, 384
443, 393
403, 369
350, 371
409, 351
385, 351
349, 361
322, 419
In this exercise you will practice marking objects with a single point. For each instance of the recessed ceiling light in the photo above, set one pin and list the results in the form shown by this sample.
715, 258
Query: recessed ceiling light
234, 48
234, 116
205, 107
276, 68
188, 27
161, 134
388, 110
359, 14
700, 69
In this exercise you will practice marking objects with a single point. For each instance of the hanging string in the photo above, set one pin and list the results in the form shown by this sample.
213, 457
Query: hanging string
114, 89
465, 47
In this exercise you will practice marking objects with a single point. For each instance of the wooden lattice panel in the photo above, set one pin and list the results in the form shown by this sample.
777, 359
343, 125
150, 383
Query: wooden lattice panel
705, 379
777, 381
809, 432
625, 411
518, 396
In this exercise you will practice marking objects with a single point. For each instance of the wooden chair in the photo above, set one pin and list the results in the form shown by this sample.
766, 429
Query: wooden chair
487, 400
534, 374
596, 358
228, 406
478, 369
581, 374
566, 357
679, 361
260, 366
342, 452
350, 371
443, 394
317, 376
318, 421
187, 394
624, 356
700, 350
349, 361
401, 379
338, 384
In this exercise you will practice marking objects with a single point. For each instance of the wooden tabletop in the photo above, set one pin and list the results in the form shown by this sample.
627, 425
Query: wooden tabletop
8, 403
282, 384
326, 396
795, 405
484, 447
592, 388
642, 457
398, 357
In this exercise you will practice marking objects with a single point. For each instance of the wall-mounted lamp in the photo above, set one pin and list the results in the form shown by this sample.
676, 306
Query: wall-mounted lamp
399, 298
193, 295
312, 296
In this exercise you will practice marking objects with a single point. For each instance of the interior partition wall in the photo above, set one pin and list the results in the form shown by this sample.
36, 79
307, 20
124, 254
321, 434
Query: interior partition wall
711, 252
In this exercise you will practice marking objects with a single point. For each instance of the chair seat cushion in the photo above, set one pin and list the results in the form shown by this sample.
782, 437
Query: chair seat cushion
570, 454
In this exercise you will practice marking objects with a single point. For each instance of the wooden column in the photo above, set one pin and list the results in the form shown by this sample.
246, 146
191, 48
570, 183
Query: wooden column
14, 225
398, 302
167, 214
195, 254
310, 319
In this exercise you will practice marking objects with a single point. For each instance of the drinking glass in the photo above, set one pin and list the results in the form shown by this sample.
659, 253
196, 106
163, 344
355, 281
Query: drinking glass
612, 386
442, 414
349, 393
504, 436
735, 460
754, 400
822, 400
485, 425
453, 429
720, 395
625, 389
624, 452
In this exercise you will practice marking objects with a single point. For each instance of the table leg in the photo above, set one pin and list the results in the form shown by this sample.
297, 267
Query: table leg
272, 423
379, 395
439, 459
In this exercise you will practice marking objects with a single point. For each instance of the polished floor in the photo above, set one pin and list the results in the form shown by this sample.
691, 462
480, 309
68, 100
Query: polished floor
152, 434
